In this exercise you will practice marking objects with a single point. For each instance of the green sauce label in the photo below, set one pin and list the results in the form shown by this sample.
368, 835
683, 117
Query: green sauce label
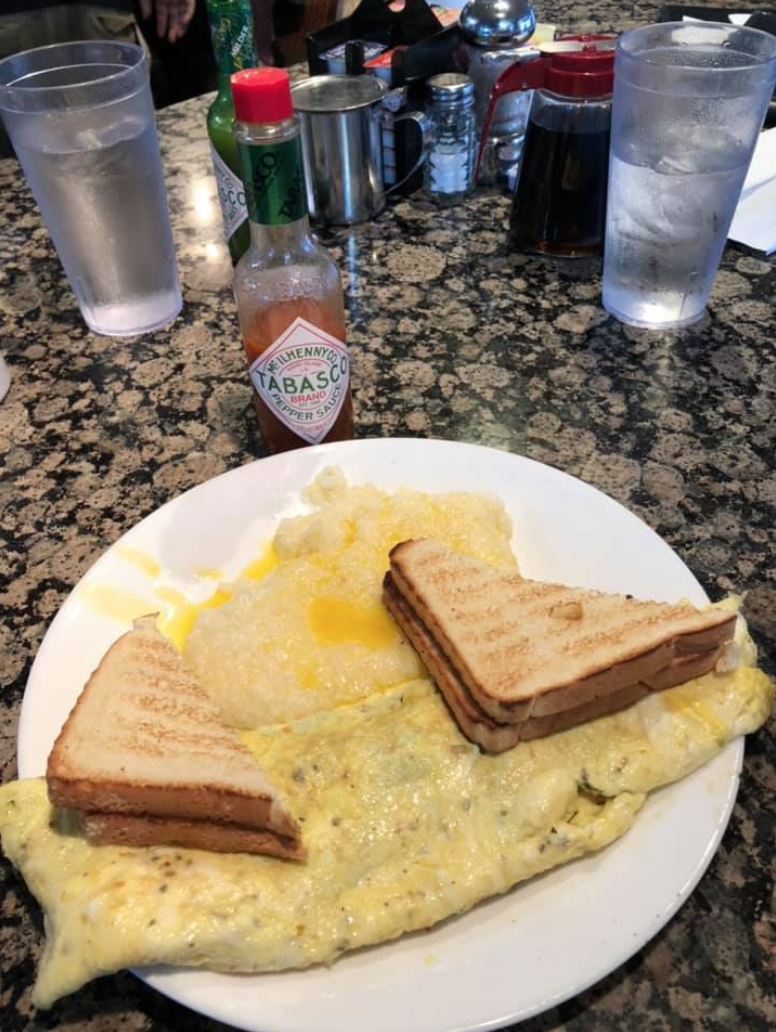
231, 26
274, 184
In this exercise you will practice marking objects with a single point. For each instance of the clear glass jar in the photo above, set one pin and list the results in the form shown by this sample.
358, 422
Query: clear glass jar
449, 170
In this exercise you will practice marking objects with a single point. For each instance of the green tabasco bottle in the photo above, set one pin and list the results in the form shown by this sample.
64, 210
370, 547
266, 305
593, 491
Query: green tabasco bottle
231, 28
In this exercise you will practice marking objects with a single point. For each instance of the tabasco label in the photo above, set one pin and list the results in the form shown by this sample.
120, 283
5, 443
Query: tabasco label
230, 194
274, 182
303, 379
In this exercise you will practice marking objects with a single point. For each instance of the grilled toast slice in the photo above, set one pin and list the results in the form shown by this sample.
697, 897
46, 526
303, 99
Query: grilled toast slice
495, 737
525, 650
143, 739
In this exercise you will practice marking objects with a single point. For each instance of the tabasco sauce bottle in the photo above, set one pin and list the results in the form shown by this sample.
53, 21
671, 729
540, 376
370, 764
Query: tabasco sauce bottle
287, 287
231, 29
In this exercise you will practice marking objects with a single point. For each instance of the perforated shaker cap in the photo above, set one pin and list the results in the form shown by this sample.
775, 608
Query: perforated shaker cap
451, 88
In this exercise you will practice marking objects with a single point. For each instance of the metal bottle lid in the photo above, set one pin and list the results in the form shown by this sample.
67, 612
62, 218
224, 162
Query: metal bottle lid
451, 88
497, 23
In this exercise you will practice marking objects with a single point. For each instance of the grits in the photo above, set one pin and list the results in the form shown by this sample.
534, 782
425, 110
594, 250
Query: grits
313, 634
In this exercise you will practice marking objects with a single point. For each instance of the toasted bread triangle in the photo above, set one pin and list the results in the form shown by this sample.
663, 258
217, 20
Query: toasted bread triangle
528, 649
496, 737
124, 829
144, 739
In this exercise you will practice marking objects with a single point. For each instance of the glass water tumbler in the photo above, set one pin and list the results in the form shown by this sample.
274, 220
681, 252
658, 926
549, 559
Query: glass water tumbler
81, 120
689, 102
449, 172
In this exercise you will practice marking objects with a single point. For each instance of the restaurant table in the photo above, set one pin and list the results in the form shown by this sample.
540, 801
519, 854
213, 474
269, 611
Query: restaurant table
451, 336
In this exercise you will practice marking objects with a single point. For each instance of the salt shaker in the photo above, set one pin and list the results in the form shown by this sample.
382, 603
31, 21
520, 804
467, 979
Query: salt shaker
449, 171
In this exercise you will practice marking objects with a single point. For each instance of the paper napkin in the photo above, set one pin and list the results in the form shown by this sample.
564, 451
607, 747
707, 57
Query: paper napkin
734, 19
754, 222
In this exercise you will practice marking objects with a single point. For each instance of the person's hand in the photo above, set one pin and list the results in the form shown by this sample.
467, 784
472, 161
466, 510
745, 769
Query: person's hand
172, 16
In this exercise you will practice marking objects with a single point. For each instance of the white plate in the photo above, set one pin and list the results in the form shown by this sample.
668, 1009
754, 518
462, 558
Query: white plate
513, 956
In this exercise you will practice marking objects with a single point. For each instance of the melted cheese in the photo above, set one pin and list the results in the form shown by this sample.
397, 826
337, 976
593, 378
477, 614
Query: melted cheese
406, 823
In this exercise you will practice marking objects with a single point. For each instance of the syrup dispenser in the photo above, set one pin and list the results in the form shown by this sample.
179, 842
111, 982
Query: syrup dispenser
559, 207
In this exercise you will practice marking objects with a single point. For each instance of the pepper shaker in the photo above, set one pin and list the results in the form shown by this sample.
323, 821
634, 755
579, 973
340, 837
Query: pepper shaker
449, 171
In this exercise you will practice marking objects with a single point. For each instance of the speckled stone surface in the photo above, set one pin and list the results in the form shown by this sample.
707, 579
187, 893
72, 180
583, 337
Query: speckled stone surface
453, 337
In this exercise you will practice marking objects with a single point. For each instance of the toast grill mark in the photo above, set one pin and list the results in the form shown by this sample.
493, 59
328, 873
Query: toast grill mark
475, 722
143, 740
470, 620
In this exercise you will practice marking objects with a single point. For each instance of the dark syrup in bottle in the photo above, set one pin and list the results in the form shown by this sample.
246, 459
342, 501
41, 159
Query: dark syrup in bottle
559, 207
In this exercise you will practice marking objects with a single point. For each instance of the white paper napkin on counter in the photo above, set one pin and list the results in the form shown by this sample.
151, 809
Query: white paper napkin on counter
754, 222
734, 19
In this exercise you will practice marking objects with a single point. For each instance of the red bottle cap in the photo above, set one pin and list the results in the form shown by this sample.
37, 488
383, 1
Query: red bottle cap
581, 65
261, 95
581, 73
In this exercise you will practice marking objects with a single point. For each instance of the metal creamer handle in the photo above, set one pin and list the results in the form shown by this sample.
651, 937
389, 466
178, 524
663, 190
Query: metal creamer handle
426, 127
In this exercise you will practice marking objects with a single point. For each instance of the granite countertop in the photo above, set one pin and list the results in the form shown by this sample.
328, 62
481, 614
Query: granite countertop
450, 336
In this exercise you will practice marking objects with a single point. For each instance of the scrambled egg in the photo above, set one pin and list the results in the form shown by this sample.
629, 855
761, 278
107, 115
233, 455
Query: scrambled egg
406, 823
313, 633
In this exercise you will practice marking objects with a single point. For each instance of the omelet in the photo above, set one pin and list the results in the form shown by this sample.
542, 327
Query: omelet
406, 823
313, 633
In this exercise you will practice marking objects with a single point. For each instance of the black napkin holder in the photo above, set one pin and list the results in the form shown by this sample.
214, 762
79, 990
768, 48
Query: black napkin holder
374, 22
